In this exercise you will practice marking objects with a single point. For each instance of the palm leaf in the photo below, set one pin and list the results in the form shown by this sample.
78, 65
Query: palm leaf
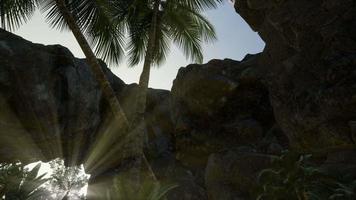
14, 13
95, 20
188, 29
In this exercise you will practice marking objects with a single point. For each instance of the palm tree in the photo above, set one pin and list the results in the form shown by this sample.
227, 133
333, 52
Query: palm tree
81, 16
152, 25
90, 17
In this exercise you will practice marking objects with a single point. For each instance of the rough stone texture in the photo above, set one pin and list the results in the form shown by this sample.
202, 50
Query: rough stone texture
51, 106
220, 105
50, 98
224, 125
310, 51
232, 175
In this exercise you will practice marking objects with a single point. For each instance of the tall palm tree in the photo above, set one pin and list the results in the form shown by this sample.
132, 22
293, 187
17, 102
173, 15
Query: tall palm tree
82, 17
152, 25
89, 17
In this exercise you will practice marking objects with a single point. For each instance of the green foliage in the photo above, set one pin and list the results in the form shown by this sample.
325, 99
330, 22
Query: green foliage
179, 21
14, 13
17, 182
96, 23
148, 190
66, 181
344, 191
92, 18
104, 23
294, 176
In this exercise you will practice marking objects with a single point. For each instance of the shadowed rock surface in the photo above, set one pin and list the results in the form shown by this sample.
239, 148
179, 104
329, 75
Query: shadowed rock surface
221, 123
48, 99
310, 54
217, 106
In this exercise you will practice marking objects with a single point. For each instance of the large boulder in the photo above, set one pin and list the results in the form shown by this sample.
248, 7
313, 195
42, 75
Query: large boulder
219, 105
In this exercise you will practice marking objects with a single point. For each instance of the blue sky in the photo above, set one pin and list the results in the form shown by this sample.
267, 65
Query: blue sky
235, 40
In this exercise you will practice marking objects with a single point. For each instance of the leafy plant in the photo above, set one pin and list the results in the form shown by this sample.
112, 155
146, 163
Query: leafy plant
293, 176
66, 182
17, 182
344, 191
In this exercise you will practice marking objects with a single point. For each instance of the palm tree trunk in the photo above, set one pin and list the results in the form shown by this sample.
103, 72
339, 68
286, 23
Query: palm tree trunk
96, 69
145, 75
141, 98
138, 124
94, 65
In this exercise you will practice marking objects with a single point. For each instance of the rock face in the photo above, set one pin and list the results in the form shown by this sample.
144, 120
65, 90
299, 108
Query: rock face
307, 72
221, 123
224, 124
48, 97
223, 106
51, 102
220, 105
310, 51
52, 107
232, 175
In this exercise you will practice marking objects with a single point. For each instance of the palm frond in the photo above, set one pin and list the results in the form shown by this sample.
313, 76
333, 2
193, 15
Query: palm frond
162, 43
105, 35
138, 23
93, 17
13, 13
179, 21
188, 29
54, 15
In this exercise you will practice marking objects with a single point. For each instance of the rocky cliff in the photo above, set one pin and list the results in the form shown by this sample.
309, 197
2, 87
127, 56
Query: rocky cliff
310, 54
221, 123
